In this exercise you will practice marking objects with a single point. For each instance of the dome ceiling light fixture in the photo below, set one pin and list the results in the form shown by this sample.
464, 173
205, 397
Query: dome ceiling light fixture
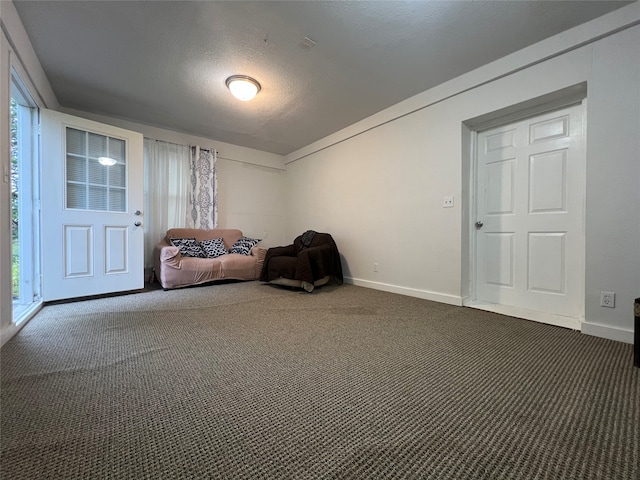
243, 87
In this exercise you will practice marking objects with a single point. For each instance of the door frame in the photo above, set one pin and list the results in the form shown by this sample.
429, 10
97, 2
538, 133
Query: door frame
571, 96
30, 252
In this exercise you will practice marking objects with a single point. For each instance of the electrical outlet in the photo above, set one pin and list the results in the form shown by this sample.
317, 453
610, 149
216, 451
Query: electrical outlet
375, 267
447, 202
607, 299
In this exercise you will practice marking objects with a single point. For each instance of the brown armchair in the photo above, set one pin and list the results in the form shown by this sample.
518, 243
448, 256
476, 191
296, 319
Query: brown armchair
311, 261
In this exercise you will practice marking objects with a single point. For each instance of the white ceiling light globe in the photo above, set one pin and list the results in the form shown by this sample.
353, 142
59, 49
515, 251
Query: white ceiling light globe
242, 87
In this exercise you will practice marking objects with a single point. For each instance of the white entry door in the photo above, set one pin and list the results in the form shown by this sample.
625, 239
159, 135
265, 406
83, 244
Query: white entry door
529, 230
92, 194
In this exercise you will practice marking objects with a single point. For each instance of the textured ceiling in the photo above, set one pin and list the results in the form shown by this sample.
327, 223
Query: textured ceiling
165, 63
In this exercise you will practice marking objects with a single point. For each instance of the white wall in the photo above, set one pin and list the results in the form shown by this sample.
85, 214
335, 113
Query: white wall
613, 184
377, 186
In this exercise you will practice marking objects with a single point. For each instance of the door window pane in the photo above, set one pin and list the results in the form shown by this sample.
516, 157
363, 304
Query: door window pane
97, 198
117, 175
117, 149
76, 196
76, 142
117, 199
97, 172
76, 169
97, 146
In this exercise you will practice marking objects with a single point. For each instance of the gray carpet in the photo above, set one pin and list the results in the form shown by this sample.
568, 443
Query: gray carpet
248, 381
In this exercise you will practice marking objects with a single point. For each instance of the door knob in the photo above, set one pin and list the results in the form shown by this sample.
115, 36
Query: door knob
479, 224
137, 224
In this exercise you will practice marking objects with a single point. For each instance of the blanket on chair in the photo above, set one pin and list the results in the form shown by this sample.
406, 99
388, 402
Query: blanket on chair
312, 256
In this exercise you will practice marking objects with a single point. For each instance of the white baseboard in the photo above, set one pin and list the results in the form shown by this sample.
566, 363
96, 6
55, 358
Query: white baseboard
611, 333
536, 316
594, 329
410, 292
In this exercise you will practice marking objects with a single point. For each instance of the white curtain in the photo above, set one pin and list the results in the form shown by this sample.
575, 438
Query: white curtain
166, 191
203, 204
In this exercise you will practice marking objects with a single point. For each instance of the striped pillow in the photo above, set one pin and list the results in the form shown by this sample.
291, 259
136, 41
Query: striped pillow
244, 245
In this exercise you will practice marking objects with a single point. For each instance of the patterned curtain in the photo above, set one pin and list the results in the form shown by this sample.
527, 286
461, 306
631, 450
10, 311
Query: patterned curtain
203, 208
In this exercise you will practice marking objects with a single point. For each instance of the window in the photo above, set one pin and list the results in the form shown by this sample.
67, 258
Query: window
96, 172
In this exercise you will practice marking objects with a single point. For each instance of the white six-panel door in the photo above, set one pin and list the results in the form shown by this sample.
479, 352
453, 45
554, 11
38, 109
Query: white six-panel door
529, 235
90, 241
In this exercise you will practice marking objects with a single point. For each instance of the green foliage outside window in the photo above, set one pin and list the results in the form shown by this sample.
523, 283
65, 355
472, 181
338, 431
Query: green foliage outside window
15, 256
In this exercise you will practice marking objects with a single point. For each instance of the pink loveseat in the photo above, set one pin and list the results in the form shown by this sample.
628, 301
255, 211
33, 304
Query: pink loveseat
173, 270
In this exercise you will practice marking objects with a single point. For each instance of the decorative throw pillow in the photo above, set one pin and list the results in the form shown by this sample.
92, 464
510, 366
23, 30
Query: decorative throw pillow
214, 248
189, 247
244, 245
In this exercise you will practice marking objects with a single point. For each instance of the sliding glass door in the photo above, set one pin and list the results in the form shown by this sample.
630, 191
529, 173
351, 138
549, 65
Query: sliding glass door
25, 205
